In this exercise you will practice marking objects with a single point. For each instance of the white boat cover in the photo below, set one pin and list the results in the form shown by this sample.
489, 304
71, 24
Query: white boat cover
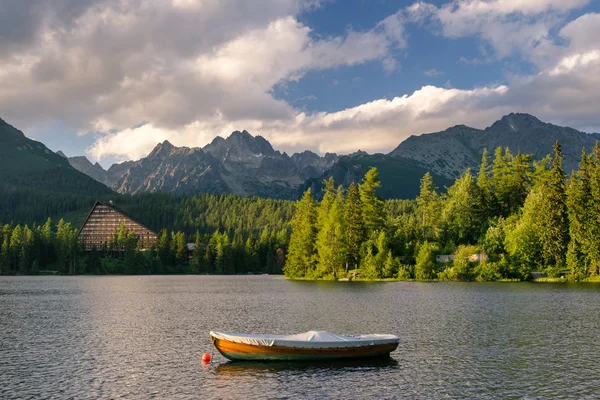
310, 339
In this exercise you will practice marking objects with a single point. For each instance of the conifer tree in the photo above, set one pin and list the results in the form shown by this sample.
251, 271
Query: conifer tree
484, 183
163, 247
554, 221
593, 230
327, 202
179, 247
372, 205
197, 261
331, 240
580, 208
301, 255
251, 255
428, 207
355, 231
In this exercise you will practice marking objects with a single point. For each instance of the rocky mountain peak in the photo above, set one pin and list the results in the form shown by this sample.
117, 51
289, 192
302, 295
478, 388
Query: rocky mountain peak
162, 149
517, 122
60, 153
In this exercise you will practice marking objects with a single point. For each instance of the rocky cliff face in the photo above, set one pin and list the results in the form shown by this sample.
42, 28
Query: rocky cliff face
450, 152
241, 164
110, 178
248, 165
173, 169
95, 171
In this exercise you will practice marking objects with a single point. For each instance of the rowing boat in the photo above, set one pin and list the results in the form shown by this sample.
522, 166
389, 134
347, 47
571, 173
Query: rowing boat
311, 345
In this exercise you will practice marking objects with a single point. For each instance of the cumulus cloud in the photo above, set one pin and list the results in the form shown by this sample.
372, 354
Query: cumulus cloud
567, 92
187, 70
115, 63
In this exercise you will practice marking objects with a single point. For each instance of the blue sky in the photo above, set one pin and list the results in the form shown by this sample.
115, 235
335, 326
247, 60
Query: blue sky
111, 81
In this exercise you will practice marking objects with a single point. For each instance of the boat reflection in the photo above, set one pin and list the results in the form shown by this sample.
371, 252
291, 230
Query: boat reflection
235, 368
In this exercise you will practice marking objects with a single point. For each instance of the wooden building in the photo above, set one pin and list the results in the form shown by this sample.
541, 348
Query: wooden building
104, 220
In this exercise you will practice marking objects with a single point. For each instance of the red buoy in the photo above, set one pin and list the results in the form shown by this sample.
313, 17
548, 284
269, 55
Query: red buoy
206, 357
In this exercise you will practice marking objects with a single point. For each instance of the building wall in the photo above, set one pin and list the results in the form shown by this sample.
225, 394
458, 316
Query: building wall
104, 221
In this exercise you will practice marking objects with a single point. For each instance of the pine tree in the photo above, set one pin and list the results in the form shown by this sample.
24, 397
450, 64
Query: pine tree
372, 205
593, 228
5, 250
579, 205
484, 183
301, 255
197, 261
327, 202
251, 255
163, 247
554, 221
179, 248
331, 240
428, 207
355, 231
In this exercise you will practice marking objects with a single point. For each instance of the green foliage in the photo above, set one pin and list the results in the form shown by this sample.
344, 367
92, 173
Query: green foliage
372, 204
523, 233
554, 220
429, 207
488, 272
300, 261
355, 231
461, 266
331, 239
462, 212
425, 261
522, 213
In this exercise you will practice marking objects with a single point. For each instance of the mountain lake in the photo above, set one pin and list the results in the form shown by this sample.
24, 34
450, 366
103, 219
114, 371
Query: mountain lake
141, 337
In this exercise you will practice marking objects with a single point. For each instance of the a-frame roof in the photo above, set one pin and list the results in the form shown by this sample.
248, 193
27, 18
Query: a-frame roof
98, 202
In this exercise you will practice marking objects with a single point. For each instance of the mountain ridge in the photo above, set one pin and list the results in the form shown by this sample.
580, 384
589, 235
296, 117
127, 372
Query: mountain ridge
450, 152
249, 165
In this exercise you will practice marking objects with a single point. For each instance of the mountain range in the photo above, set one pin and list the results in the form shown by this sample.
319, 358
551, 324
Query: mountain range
248, 165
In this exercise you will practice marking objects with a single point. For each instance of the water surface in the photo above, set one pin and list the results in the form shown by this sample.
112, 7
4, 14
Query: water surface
139, 338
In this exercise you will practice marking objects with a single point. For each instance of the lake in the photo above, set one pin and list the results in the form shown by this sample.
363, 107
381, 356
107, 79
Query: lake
143, 337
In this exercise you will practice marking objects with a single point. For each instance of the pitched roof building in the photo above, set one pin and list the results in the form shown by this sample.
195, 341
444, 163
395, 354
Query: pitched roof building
104, 220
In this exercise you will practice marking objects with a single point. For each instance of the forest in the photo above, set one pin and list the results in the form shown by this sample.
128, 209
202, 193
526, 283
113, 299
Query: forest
518, 215
232, 235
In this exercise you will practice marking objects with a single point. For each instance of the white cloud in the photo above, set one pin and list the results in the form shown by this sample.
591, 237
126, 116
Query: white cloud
193, 69
568, 93
508, 26
173, 63
433, 72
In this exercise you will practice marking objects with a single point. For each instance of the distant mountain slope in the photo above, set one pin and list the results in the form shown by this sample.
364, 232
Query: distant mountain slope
28, 164
36, 183
248, 165
171, 169
450, 152
241, 164
110, 178
400, 177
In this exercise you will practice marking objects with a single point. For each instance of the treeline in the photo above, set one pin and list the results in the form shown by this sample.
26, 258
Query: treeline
516, 216
46, 248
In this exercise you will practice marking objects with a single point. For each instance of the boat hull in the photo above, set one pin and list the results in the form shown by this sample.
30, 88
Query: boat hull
250, 352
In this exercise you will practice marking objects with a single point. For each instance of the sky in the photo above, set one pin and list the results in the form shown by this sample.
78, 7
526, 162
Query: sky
110, 79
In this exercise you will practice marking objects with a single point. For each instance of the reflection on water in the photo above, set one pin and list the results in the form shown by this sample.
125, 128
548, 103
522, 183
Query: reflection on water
244, 368
125, 337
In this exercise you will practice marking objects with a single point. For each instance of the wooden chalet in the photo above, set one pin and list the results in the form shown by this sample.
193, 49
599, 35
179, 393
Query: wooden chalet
104, 220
